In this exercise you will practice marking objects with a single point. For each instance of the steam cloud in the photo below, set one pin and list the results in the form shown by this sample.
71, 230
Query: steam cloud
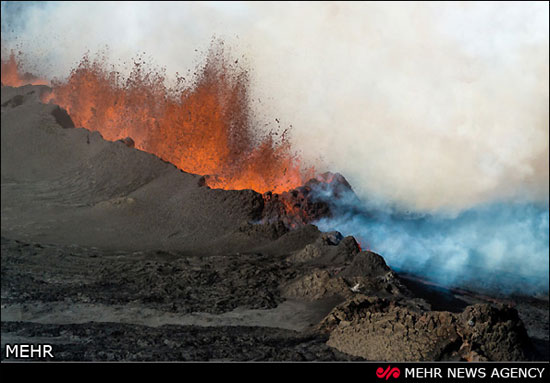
438, 109
501, 248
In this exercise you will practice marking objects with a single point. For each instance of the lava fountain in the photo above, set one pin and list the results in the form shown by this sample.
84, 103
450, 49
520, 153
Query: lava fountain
12, 76
203, 128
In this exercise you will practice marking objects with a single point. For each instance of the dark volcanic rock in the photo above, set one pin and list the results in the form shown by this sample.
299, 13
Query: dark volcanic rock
332, 185
14, 97
367, 264
167, 281
126, 342
273, 230
62, 117
343, 270
306, 203
14, 101
493, 332
328, 250
379, 329
128, 141
295, 207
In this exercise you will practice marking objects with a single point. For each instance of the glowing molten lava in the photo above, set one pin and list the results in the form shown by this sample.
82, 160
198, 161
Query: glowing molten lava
11, 74
205, 128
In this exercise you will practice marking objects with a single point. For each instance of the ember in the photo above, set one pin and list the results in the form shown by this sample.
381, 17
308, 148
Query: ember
205, 128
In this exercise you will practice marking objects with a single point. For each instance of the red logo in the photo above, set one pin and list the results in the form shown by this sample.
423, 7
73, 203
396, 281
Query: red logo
388, 372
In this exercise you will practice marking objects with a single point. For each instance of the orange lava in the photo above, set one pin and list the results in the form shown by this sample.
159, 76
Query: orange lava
204, 128
11, 74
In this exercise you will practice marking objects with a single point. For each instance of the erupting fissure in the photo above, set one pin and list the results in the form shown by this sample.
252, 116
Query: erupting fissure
205, 128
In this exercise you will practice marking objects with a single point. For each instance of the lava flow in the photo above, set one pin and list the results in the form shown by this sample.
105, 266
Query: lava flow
205, 128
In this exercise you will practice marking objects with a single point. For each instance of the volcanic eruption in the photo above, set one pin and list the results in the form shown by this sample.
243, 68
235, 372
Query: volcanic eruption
171, 207
204, 128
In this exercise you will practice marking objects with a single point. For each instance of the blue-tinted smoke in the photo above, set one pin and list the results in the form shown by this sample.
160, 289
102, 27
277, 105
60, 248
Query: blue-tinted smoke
501, 247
